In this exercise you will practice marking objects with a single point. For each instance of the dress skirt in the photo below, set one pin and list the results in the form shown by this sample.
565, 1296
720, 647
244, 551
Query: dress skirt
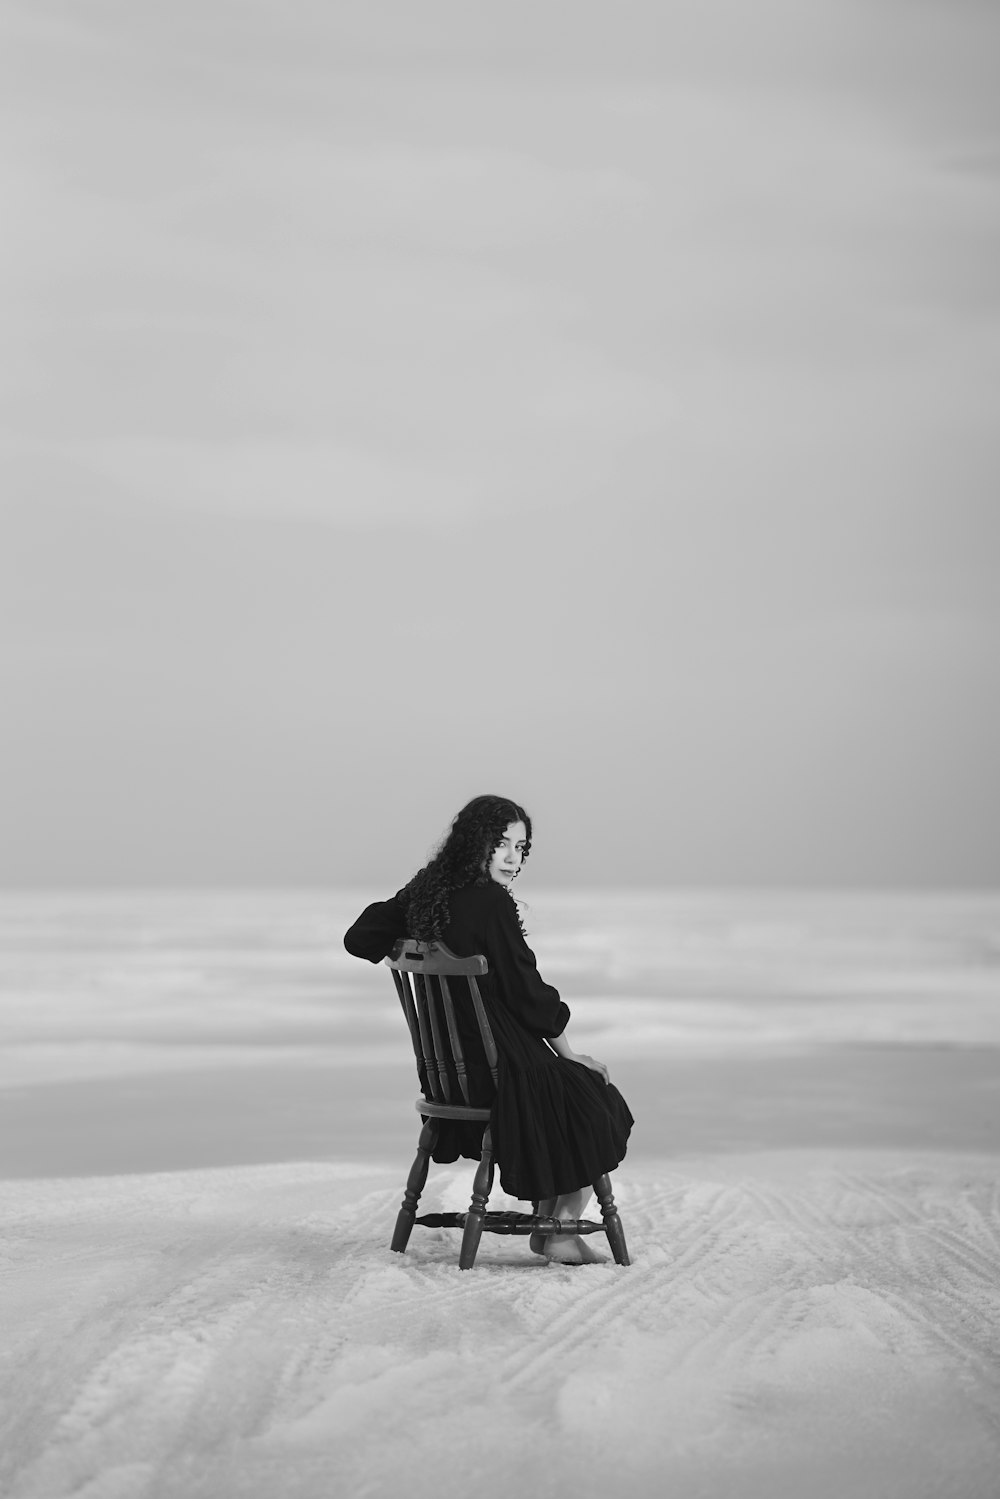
556, 1125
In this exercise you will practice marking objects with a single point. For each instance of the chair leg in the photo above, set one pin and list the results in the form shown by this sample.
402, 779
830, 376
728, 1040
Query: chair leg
414, 1185
476, 1216
612, 1222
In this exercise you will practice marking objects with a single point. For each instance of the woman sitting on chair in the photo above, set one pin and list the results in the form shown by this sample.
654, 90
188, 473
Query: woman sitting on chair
558, 1122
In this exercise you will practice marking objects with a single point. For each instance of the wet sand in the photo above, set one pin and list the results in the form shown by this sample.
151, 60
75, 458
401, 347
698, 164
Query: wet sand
881, 1097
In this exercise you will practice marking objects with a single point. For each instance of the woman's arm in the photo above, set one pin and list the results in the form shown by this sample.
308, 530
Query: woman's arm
533, 1002
376, 930
536, 1004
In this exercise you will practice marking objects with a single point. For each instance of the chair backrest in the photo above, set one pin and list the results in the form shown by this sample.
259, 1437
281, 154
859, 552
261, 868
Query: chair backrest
422, 971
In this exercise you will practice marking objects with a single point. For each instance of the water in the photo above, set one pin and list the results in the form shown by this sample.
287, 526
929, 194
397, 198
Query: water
144, 1030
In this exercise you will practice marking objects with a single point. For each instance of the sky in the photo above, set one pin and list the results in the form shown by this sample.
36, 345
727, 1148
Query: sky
596, 404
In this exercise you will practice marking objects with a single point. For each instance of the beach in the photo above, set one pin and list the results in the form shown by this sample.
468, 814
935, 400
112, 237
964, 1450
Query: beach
207, 1119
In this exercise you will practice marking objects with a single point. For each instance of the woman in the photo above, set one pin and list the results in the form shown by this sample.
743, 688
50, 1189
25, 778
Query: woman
558, 1122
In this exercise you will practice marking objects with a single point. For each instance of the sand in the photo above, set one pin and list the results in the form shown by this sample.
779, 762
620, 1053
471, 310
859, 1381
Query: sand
793, 1323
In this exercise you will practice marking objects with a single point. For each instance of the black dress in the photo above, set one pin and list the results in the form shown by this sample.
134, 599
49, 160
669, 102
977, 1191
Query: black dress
557, 1125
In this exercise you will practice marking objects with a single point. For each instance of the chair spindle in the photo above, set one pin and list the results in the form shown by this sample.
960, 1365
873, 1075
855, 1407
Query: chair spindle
440, 1060
406, 1000
489, 1045
458, 1056
428, 1059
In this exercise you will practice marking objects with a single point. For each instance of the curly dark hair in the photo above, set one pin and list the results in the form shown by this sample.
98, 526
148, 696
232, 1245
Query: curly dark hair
461, 860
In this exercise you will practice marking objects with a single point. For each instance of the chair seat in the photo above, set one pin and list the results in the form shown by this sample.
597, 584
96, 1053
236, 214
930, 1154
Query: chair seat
450, 1110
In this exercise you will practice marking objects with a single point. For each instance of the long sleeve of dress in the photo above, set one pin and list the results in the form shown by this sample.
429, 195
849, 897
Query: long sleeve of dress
534, 1003
376, 930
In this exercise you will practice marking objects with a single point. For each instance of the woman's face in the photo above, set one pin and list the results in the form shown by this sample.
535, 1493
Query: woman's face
508, 856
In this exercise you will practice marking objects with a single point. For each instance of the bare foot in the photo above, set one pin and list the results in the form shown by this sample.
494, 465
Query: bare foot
570, 1249
564, 1249
537, 1242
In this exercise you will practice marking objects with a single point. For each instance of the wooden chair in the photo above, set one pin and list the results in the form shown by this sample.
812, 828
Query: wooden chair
422, 971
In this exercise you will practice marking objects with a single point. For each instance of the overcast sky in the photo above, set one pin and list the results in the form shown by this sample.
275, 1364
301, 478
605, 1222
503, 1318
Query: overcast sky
594, 403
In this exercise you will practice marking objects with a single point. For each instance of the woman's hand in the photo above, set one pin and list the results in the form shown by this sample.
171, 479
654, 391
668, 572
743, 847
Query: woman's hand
560, 1045
579, 1056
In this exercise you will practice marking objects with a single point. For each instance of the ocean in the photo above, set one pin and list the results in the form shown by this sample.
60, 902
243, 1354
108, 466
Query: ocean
154, 1030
